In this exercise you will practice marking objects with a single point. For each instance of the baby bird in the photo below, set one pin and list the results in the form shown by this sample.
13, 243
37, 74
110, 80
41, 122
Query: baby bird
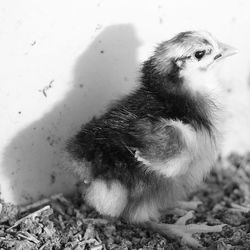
154, 146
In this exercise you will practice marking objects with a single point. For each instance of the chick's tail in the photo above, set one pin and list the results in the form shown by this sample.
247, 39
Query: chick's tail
80, 168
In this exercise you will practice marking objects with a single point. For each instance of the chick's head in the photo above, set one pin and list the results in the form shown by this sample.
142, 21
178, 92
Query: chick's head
188, 58
192, 50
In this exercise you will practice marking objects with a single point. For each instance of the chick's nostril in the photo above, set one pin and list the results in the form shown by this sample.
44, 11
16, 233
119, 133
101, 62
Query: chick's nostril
217, 56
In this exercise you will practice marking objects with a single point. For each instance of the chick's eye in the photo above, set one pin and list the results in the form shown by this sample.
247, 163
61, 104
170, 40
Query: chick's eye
199, 54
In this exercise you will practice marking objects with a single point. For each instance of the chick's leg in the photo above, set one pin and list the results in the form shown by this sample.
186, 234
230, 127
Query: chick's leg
188, 205
182, 207
183, 232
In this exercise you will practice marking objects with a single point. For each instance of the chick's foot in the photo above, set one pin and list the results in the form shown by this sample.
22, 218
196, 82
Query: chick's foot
183, 232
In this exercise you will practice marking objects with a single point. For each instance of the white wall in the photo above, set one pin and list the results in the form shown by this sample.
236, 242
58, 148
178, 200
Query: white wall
84, 54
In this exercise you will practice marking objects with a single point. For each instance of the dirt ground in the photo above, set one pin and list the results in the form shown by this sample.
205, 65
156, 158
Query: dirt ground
66, 223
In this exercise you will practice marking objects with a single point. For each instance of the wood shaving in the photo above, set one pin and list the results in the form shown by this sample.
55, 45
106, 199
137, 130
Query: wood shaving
58, 222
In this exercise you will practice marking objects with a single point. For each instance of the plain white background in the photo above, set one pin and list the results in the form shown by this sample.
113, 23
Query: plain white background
63, 61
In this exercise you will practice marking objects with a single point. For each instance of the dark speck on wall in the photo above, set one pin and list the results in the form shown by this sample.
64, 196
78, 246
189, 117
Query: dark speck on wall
102, 51
46, 88
19, 112
52, 178
233, 19
51, 141
81, 85
98, 27
33, 43
27, 197
229, 90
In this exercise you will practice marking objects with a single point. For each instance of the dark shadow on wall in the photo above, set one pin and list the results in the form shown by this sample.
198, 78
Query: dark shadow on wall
104, 71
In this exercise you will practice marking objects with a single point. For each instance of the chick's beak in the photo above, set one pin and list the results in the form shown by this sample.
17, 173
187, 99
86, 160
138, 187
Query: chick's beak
227, 50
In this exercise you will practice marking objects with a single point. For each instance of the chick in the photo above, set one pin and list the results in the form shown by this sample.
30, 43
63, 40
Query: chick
155, 145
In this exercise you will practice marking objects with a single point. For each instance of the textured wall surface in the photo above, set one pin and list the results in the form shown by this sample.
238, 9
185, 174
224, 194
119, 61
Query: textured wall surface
63, 61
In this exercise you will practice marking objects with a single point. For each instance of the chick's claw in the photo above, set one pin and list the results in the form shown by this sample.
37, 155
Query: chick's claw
187, 230
183, 232
183, 220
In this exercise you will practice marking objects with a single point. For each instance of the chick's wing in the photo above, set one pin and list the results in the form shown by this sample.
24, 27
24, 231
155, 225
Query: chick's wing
159, 141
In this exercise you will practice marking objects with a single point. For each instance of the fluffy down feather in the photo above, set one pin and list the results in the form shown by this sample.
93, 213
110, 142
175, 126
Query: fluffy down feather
156, 144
